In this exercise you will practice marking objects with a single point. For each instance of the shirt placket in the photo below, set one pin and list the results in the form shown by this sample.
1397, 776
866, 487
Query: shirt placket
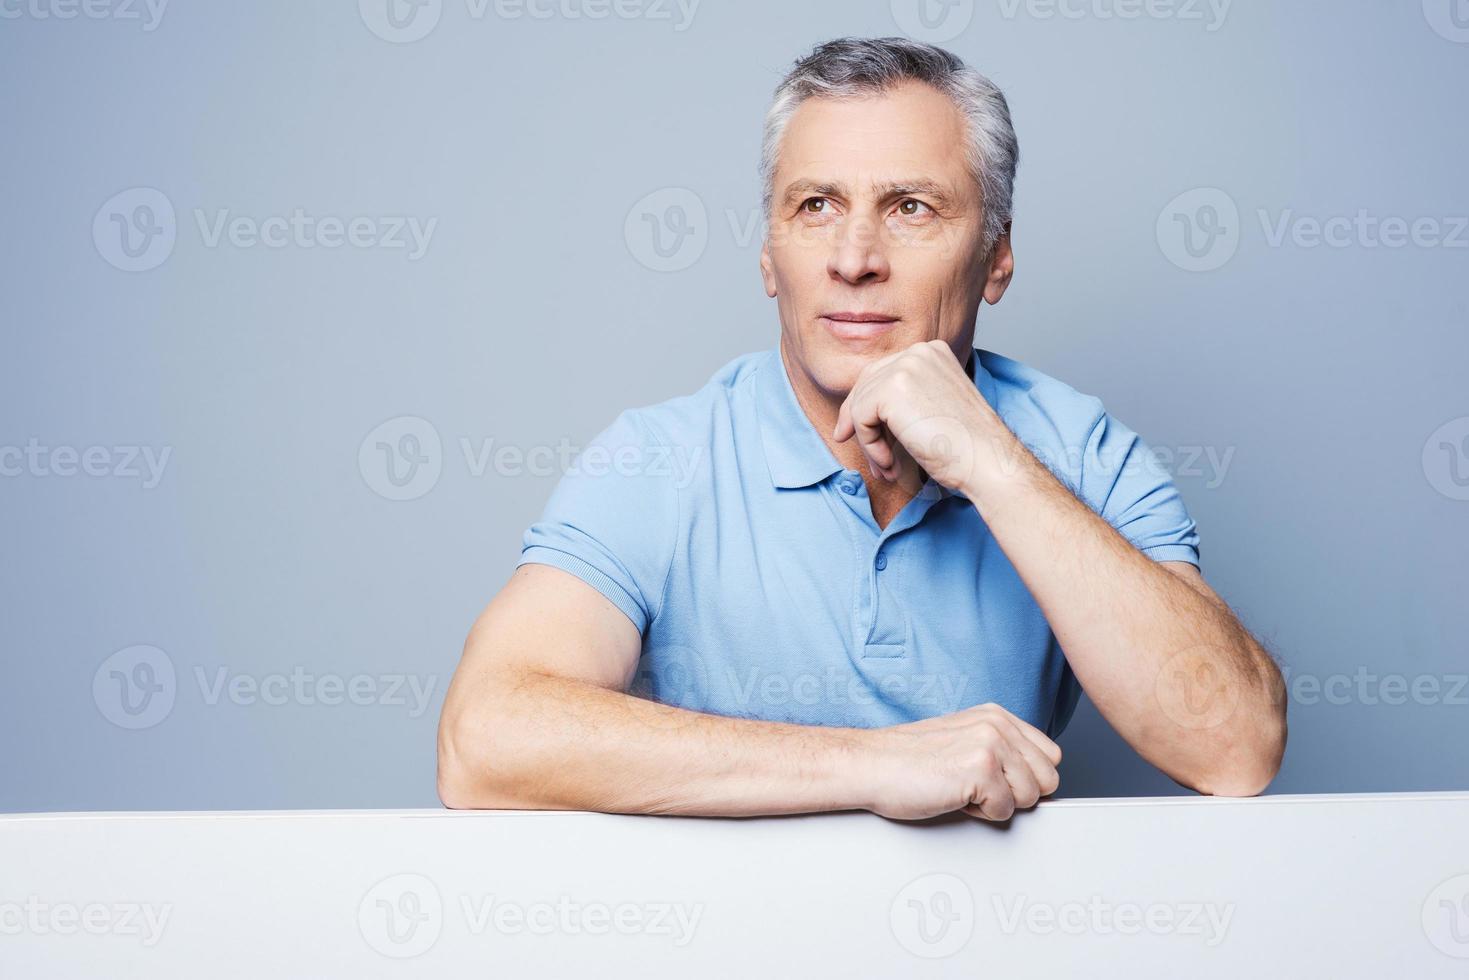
880, 626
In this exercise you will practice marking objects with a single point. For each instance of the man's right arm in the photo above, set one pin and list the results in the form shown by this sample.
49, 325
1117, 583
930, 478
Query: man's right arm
538, 717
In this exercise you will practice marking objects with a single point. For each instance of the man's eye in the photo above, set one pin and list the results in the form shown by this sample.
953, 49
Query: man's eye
814, 205
910, 208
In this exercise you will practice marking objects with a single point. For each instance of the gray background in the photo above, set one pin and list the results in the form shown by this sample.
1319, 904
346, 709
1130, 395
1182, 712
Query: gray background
1322, 373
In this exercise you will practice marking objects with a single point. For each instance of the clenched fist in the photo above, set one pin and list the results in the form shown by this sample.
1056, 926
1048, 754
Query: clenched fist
982, 760
918, 406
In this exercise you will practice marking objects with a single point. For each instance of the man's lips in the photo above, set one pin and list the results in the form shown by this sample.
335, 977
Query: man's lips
848, 325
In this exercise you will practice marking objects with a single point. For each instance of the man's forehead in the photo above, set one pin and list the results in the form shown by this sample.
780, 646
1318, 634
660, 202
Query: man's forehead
911, 135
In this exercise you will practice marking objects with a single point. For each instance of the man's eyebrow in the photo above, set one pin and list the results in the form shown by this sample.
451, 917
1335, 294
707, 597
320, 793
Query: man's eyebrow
882, 191
909, 188
806, 187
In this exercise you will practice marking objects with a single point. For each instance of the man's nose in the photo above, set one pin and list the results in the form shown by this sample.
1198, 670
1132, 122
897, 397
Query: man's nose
858, 252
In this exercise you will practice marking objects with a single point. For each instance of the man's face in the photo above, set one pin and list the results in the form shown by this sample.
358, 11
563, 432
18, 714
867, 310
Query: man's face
875, 212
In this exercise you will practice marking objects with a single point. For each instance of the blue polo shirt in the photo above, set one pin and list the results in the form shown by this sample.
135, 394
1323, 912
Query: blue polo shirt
749, 560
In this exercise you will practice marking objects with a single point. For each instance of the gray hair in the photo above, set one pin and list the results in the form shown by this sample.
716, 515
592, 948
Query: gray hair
857, 66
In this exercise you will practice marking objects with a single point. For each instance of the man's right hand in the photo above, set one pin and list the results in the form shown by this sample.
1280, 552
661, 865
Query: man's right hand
982, 760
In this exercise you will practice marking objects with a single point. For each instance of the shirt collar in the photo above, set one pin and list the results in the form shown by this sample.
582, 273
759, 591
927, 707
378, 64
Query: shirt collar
794, 451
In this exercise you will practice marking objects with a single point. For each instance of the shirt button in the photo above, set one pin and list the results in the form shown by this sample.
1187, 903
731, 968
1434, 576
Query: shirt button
882, 561
848, 486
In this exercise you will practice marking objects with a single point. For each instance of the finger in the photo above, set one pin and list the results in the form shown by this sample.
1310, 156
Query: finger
1024, 788
872, 435
994, 797
995, 803
844, 427
844, 430
1038, 738
906, 470
1042, 772
894, 448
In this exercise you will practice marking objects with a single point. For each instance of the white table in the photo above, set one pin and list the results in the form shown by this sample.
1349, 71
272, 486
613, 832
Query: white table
1284, 886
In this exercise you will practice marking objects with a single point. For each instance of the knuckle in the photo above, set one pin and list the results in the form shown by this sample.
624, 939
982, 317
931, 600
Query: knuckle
987, 761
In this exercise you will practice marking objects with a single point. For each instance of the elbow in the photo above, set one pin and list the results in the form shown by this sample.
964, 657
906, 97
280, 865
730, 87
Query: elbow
1254, 763
1238, 782
466, 777
455, 791
1250, 752
455, 787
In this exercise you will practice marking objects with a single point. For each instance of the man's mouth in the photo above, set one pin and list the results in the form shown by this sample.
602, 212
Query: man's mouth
852, 325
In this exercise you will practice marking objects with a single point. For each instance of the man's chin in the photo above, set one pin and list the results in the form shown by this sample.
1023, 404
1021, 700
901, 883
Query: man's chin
835, 368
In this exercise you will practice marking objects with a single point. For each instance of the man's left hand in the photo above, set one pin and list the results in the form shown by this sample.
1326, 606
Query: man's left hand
917, 411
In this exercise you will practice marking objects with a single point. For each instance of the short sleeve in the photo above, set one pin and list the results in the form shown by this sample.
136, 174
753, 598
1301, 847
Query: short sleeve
1123, 480
612, 519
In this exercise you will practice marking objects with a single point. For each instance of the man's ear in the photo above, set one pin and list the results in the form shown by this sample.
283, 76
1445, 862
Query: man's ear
1001, 268
767, 271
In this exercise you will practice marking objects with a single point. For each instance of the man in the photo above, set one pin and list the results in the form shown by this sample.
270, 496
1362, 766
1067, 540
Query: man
871, 568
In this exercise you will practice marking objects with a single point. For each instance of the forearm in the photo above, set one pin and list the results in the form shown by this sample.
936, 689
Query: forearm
546, 742
1168, 666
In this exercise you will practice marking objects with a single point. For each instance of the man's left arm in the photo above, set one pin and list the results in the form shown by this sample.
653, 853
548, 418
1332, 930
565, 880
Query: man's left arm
1163, 658
1160, 654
